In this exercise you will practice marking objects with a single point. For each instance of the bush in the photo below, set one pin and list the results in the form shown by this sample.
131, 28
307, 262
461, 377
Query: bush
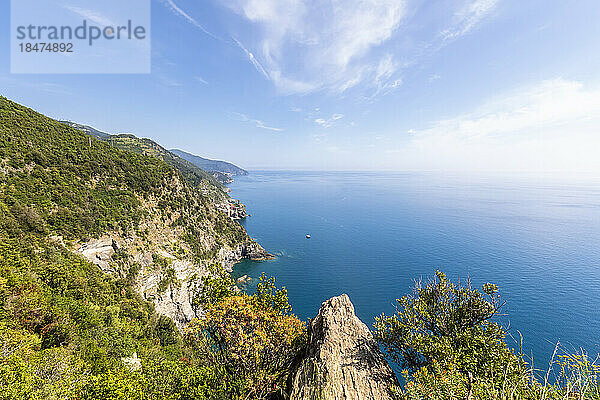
452, 325
255, 339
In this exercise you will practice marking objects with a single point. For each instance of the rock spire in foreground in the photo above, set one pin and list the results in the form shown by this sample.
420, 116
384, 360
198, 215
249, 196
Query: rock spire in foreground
342, 360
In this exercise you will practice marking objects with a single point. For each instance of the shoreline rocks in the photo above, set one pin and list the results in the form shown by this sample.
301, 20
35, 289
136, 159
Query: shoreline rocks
249, 250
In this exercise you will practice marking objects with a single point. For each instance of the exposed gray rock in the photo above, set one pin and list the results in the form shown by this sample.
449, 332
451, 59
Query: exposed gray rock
249, 250
100, 252
341, 360
176, 301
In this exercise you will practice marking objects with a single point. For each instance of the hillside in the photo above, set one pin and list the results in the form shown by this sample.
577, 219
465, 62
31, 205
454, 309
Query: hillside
222, 170
192, 173
119, 209
208, 174
88, 130
96, 243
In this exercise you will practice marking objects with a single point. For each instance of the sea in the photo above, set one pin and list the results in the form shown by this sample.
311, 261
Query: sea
373, 235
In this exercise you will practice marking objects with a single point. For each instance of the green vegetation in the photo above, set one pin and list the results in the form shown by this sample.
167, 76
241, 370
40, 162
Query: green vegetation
55, 180
255, 338
65, 327
451, 324
193, 174
444, 334
68, 330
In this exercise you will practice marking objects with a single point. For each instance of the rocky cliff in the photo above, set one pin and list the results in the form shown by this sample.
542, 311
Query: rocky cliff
341, 360
170, 282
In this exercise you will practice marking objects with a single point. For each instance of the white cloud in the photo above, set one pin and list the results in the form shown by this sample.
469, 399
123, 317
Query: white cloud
328, 123
179, 11
257, 122
534, 109
468, 17
336, 40
257, 65
554, 125
335, 45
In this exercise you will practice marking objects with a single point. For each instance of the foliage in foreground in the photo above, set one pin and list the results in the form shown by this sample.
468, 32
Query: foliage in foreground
574, 377
445, 336
65, 327
254, 338
451, 324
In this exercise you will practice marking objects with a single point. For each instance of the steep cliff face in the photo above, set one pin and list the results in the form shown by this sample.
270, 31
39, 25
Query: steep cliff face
341, 360
169, 282
129, 206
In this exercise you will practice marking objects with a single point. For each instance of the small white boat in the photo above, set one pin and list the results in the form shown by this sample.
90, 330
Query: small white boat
308, 236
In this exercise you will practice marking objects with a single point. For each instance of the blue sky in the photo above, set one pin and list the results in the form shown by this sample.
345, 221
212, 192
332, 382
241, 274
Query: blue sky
465, 85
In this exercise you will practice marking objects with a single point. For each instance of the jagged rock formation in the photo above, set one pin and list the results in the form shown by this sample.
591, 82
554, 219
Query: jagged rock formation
173, 295
249, 250
341, 360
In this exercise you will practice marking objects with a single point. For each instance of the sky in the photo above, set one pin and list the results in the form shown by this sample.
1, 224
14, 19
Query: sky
402, 85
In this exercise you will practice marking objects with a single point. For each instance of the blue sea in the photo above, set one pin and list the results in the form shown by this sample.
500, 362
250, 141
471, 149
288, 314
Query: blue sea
374, 234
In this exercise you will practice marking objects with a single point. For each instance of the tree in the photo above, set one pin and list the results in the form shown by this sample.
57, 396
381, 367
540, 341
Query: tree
451, 325
255, 338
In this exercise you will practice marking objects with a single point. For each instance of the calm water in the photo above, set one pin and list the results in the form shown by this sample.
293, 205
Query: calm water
374, 234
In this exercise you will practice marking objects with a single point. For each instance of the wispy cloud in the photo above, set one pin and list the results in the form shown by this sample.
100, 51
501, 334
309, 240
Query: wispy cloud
334, 39
257, 122
552, 125
167, 81
329, 122
180, 12
48, 87
257, 65
343, 44
525, 111
468, 17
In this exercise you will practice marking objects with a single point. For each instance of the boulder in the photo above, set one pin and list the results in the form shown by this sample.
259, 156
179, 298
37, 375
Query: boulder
341, 360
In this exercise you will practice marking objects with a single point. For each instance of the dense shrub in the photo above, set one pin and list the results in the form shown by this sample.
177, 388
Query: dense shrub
450, 324
255, 338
